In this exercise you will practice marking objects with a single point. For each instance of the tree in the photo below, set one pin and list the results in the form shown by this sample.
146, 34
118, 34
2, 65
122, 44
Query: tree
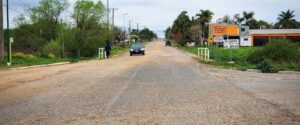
249, 20
181, 27
286, 20
147, 34
168, 33
119, 34
88, 18
264, 25
203, 18
238, 19
247, 17
46, 15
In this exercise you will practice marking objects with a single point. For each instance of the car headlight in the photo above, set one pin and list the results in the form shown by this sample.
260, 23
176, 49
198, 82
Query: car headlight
143, 49
131, 49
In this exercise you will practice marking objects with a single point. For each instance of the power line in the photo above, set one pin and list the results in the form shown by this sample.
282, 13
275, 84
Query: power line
4, 5
21, 3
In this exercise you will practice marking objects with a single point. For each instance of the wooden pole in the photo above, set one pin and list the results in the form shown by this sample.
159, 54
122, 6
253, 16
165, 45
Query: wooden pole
1, 32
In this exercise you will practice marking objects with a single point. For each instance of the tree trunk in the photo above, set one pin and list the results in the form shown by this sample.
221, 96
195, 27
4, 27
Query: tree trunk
1, 33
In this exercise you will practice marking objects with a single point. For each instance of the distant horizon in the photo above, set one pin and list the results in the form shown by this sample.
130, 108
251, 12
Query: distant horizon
157, 15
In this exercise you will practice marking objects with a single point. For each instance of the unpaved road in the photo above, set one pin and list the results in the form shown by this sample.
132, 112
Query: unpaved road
167, 86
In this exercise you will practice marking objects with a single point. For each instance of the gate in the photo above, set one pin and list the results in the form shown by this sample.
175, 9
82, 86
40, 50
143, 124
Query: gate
203, 54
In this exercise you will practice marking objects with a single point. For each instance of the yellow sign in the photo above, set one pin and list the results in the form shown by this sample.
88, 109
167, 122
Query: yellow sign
211, 39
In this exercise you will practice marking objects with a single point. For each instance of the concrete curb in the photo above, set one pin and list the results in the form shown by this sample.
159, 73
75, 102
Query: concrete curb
253, 70
38, 66
280, 72
289, 72
248, 70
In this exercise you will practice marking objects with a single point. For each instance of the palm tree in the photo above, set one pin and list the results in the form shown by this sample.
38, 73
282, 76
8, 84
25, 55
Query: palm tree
180, 28
286, 20
247, 17
238, 19
203, 18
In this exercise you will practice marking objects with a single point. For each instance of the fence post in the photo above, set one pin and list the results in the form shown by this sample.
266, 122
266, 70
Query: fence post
208, 54
102, 53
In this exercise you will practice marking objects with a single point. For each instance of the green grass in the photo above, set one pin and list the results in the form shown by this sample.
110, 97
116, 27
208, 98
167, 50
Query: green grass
239, 56
21, 60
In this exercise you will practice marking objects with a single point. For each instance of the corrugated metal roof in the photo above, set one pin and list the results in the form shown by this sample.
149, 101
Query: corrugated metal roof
274, 31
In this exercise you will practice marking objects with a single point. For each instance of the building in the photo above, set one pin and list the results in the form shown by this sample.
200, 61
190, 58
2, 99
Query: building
235, 35
261, 37
229, 35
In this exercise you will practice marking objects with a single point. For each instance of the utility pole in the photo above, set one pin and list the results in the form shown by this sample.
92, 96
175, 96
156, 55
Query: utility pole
7, 35
129, 30
113, 23
137, 28
124, 25
1, 32
229, 42
62, 39
107, 9
200, 31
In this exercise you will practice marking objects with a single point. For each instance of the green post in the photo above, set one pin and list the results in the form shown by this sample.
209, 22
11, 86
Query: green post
10, 60
219, 54
7, 35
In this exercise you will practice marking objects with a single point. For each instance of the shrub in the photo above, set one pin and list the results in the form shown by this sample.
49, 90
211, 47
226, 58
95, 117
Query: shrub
122, 45
73, 60
50, 50
279, 51
266, 66
21, 55
50, 55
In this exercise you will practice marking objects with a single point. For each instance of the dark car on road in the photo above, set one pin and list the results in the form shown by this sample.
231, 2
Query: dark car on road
137, 49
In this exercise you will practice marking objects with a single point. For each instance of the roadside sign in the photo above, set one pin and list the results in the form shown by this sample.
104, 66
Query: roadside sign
211, 39
11, 39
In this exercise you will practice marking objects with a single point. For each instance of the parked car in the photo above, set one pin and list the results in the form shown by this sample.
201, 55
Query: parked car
137, 49
168, 43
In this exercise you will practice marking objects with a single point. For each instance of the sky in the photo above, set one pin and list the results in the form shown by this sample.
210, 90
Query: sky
157, 15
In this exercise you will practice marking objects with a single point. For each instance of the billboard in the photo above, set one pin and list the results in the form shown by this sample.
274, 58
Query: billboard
223, 29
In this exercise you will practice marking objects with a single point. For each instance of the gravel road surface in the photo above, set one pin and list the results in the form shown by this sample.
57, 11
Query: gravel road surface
165, 87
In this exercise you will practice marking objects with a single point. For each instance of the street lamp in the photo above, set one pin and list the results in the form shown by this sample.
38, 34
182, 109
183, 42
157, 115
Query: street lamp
124, 25
124, 21
107, 9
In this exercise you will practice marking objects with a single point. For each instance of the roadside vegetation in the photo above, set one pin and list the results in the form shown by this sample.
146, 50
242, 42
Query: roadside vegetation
21, 59
44, 34
195, 29
280, 55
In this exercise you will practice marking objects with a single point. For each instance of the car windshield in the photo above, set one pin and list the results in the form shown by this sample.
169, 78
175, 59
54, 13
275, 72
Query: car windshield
136, 46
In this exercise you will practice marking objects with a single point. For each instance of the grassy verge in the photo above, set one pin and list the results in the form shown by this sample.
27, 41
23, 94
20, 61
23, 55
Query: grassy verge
21, 60
221, 57
252, 57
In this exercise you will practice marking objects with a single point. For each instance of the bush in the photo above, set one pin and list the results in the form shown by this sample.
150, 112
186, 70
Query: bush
20, 55
50, 50
73, 60
50, 55
279, 51
266, 66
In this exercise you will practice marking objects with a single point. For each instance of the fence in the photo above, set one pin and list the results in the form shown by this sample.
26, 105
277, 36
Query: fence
203, 54
102, 54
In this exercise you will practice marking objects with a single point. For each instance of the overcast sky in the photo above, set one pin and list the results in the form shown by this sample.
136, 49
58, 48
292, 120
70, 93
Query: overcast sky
159, 14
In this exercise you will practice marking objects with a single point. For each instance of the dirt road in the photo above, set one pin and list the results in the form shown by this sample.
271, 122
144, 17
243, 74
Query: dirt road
166, 86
